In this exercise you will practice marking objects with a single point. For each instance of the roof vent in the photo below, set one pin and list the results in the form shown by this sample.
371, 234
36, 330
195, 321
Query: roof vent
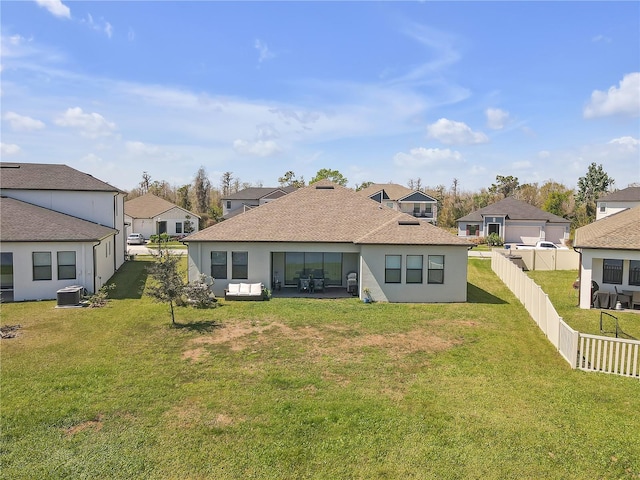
324, 187
408, 222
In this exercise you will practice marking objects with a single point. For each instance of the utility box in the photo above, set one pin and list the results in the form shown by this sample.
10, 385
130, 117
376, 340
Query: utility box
70, 296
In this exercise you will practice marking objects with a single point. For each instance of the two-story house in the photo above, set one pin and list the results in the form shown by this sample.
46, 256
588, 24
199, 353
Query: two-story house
403, 199
617, 202
58, 227
249, 198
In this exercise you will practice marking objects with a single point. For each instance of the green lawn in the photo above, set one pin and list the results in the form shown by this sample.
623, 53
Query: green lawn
304, 388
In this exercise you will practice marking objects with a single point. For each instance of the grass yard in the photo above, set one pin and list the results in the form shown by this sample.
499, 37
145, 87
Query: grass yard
558, 285
304, 388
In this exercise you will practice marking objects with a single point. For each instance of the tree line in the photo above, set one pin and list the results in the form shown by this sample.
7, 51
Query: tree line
201, 196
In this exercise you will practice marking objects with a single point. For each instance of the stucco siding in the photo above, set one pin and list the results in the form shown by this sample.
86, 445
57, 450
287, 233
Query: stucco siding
25, 288
454, 288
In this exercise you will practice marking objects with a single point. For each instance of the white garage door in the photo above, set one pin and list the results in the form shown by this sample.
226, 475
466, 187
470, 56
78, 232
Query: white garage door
528, 235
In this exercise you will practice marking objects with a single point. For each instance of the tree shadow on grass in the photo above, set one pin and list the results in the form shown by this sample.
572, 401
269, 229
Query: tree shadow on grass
200, 326
476, 294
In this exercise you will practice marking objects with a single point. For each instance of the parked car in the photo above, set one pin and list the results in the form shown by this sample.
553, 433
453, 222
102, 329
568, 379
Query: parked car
135, 239
540, 245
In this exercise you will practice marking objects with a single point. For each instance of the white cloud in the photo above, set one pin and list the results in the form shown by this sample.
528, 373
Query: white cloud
450, 132
624, 100
99, 26
22, 122
629, 144
140, 148
544, 154
263, 50
521, 165
9, 149
427, 157
55, 7
601, 38
496, 118
91, 125
261, 148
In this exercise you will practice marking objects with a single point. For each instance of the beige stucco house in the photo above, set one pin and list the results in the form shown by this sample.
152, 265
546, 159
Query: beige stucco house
609, 254
152, 215
328, 230
59, 227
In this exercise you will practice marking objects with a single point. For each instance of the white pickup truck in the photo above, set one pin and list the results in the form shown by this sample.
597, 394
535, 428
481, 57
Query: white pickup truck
540, 245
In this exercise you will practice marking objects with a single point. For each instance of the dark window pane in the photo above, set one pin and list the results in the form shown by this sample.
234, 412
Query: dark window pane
634, 272
219, 265
240, 265
612, 271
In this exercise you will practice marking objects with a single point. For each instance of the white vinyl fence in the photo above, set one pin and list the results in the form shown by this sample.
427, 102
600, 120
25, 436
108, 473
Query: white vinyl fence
586, 352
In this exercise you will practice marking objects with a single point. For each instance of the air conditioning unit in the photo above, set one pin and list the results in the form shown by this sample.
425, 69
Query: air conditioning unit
70, 296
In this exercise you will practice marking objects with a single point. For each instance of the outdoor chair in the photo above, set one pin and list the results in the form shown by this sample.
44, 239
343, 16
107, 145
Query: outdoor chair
352, 283
635, 300
602, 300
622, 298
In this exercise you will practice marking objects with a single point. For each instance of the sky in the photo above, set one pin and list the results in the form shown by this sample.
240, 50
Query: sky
380, 91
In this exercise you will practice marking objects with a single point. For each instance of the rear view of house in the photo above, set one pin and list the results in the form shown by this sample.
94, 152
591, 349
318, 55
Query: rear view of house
58, 227
331, 232
152, 215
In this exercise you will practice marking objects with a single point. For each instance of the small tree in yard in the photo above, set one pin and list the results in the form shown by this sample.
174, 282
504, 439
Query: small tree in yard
168, 286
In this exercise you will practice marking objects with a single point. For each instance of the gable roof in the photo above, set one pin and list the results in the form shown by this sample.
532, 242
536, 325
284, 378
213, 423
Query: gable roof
393, 191
326, 212
256, 193
512, 209
149, 206
44, 176
43, 225
629, 194
620, 231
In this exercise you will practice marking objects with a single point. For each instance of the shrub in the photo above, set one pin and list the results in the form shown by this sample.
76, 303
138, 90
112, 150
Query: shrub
494, 240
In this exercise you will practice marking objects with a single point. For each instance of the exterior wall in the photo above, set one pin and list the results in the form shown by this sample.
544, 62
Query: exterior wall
104, 208
236, 204
591, 269
260, 258
25, 288
454, 288
149, 226
611, 208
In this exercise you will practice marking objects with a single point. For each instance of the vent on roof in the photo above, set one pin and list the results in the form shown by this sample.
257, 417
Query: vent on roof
9, 165
324, 187
408, 222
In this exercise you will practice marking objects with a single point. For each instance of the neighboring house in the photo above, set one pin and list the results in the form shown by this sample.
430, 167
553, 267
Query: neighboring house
403, 199
609, 254
329, 231
152, 215
58, 227
249, 198
617, 202
514, 221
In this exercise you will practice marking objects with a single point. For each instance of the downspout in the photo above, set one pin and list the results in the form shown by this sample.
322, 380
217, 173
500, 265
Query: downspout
580, 275
95, 264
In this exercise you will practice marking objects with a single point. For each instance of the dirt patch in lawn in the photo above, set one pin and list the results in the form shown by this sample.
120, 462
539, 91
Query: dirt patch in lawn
189, 414
335, 340
95, 425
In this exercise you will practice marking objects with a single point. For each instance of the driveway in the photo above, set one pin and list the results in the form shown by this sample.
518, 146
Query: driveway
145, 250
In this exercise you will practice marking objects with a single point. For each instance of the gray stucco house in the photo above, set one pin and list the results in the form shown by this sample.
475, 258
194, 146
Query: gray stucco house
514, 221
328, 230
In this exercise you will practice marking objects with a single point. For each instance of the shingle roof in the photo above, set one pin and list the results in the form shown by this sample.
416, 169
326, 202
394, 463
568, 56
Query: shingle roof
514, 210
326, 212
629, 194
620, 231
393, 190
25, 222
41, 176
149, 206
256, 193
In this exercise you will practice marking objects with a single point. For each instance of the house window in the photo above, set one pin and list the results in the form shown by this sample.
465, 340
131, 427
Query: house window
219, 265
612, 271
66, 265
435, 272
473, 230
228, 204
240, 265
634, 272
428, 208
41, 265
6, 277
178, 227
603, 207
414, 269
392, 268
